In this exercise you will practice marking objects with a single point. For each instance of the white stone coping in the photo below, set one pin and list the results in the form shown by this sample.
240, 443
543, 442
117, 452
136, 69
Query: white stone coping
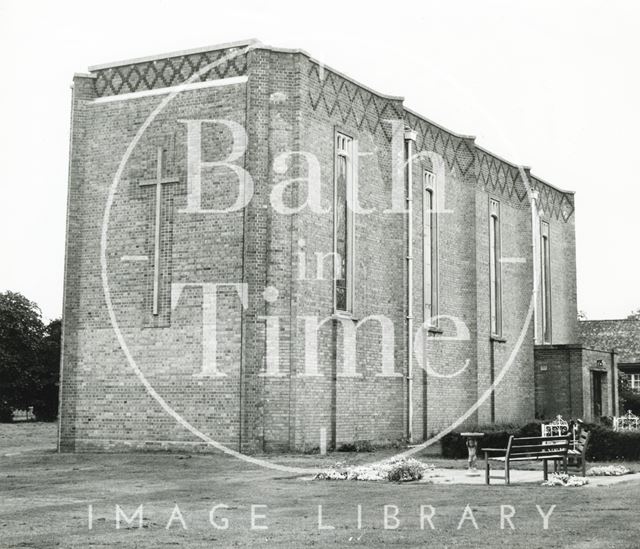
178, 88
239, 43
259, 45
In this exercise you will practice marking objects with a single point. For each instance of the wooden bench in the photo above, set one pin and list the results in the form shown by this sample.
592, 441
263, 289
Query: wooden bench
545, 449
578, 454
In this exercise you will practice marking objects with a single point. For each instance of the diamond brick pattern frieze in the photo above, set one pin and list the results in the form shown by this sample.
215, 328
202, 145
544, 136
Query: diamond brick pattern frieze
498, 177
163, 73
350, 103
555, 203
354, 105
456, 151
495, 175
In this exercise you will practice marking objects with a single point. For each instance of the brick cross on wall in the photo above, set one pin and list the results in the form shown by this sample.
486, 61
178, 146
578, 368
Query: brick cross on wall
159, 181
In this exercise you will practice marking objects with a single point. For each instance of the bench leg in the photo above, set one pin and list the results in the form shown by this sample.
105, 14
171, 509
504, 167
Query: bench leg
584, 466
487, 471
545, 469
507, 477
565, 463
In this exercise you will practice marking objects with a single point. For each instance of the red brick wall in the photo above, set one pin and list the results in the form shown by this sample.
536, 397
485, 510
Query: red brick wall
103, 402
621, 335
562, 242
288, 104
564, 381
368, 407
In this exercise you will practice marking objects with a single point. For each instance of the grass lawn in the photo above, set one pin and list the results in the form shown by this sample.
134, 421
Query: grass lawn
46, 497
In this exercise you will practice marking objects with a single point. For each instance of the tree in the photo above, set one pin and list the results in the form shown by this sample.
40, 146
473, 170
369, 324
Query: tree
29, 358
44, 396
21, 332
635, 315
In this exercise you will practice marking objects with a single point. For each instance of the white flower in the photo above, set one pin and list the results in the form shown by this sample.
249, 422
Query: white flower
561, 479
608, 470
378, 471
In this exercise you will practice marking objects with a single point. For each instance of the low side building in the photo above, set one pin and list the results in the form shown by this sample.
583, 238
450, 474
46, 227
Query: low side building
575, 381
622, 336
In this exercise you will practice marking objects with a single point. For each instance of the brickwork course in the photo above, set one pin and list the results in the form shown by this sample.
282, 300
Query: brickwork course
564, 381
286, 101
623, 335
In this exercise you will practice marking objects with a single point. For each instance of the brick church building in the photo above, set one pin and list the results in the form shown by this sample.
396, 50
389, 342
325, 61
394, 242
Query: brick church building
257, 244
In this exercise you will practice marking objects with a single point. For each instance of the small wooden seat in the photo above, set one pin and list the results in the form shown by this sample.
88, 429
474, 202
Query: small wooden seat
578, 456
545, 449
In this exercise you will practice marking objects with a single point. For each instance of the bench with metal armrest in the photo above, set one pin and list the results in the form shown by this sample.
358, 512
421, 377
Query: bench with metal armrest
545, 449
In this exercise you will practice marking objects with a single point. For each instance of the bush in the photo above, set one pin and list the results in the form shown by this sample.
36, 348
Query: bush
6, 414
631, 402
405, 471
604, 443
607, 444
356, 446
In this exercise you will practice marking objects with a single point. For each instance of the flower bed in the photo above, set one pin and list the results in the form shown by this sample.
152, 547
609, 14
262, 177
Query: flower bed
561, 479
608, 471
394, 470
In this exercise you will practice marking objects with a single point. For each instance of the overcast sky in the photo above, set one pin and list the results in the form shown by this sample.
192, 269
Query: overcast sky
554, 85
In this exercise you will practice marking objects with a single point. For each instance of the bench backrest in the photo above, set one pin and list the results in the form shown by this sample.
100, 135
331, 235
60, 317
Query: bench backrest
553, 446
582, 441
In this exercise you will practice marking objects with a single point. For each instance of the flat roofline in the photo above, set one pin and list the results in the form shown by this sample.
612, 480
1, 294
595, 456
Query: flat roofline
346, 77
428, 120
533, 176
133, 61
329, 68
555, 187
611, 320
512, 164
257, 44
241, 43
572, 346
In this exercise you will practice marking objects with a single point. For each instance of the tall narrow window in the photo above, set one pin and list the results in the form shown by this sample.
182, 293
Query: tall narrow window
495, 289
429, 250
343, 224
545, 282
